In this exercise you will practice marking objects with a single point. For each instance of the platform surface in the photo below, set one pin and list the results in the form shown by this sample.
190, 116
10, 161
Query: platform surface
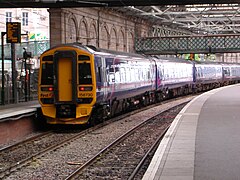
203, 142
10, 110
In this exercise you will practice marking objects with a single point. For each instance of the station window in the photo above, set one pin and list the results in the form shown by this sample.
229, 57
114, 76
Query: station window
25, 18
8, 16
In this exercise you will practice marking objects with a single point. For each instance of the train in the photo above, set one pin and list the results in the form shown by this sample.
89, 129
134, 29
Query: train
81, 84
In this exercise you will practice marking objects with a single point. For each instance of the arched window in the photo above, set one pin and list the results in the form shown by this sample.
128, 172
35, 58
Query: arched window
113, 40
104, 39
121, 41
93, 35
71, 31
131, 43
83, 38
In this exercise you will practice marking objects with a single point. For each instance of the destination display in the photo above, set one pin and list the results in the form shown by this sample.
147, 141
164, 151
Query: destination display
13, 32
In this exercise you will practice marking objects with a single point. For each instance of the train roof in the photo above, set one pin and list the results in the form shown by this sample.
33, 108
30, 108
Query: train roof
212, 62
94, 50
77, 45
113, 52
172, 59
206, 62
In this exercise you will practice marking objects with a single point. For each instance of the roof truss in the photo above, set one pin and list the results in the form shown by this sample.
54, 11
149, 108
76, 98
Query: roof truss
197, 19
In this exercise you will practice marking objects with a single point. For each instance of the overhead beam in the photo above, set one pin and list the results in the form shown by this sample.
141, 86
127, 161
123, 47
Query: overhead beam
203, 19
100, 3
228, 43
220, 12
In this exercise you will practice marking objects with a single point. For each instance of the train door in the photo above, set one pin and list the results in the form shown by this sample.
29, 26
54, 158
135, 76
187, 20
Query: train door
105, 84
110, 76
101, 78
194, 73
65, 79
65, 71
158, 75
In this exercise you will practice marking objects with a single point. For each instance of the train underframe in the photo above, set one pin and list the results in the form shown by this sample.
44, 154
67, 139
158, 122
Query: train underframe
110, 109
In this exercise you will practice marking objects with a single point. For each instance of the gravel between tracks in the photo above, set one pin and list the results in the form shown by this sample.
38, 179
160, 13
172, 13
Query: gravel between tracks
61, 162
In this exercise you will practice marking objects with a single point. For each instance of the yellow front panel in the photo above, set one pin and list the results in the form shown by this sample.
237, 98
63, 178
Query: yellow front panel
65, 79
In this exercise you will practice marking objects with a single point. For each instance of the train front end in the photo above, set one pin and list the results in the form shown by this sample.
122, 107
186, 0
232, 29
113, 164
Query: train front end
66, 88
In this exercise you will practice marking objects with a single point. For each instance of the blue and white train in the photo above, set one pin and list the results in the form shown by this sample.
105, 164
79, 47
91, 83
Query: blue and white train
83, 84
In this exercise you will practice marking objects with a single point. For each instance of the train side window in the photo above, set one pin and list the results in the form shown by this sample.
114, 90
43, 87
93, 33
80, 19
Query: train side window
47, 74
84, 73
83, 58
122, 74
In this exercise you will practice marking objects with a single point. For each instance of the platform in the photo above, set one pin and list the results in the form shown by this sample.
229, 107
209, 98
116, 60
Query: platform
203, 143
16, 121
10, 110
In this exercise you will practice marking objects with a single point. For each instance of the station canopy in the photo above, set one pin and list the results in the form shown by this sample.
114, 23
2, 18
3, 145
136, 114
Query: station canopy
201, 17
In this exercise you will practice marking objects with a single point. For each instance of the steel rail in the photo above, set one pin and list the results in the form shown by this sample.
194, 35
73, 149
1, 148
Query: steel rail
104, 150
116, 142
25, 141
50, 148
151, 149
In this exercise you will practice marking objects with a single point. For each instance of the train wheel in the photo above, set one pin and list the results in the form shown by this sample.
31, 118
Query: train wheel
40, 120
92, 121
114, 108
166, 94
106, 111
186, 91
146, 100
170, 94
158, 97
152, 98
97, 116
124, 105
143, 101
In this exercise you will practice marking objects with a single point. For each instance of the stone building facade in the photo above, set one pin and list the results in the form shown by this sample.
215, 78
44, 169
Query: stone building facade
34, 22
100, 27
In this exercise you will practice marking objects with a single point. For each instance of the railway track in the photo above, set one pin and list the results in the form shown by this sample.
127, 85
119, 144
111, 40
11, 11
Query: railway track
47, 146
15, 156
123, 158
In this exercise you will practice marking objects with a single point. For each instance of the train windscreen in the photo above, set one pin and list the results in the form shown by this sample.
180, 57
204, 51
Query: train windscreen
47, 74
84, 71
